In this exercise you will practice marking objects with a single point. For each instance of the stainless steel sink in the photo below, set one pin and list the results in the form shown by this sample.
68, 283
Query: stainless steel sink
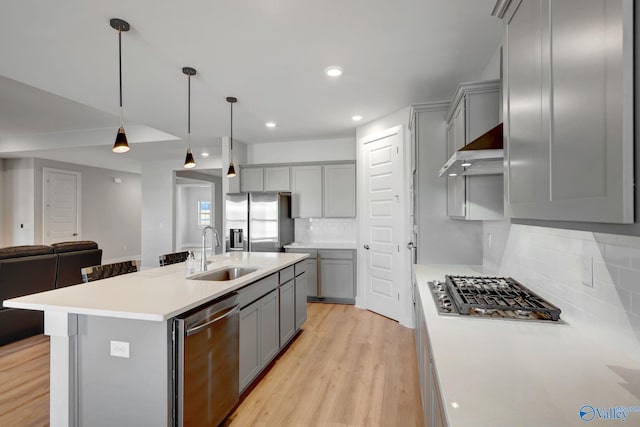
224, 274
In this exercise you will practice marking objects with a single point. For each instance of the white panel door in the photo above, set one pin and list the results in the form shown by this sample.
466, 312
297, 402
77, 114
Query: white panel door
61, 202
381, 225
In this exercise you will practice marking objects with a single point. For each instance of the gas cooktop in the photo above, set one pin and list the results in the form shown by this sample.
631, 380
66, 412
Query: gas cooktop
491, 297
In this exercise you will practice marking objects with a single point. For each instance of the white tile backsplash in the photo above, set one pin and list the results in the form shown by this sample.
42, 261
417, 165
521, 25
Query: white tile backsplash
326, 230
554, 262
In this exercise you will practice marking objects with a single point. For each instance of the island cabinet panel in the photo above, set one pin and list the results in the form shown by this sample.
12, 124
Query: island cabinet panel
269, 328
569, 116
250, 331
287, 312
301, 299
114, 390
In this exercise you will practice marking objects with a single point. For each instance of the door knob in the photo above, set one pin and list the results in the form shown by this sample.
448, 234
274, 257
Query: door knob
366, 247
410, 245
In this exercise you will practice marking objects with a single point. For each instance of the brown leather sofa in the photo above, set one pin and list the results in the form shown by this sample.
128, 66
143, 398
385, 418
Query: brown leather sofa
24, 270
72, 258
30, 269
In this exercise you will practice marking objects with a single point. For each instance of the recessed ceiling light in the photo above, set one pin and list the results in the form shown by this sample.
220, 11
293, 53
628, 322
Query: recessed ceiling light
204, 154
270, 124
356, 118
453, 174
464, 165
334, 71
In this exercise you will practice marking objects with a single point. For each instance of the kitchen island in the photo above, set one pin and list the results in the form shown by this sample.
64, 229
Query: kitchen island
494, 372
93, 383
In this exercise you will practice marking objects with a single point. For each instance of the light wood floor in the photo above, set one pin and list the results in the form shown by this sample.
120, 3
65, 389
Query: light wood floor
349, 367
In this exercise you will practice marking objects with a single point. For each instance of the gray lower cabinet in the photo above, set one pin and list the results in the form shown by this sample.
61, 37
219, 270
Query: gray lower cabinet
287, 312
337, 277
269, 327
301, 299
250, 360
311, 269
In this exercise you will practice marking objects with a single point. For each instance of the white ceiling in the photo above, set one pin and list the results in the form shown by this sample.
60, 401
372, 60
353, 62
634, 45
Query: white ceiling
59, 70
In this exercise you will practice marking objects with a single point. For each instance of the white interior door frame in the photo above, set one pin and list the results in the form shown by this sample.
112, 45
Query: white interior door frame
401, 274
45, 176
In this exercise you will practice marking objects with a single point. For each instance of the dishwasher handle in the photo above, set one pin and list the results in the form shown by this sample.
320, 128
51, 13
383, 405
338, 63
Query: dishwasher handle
227, 312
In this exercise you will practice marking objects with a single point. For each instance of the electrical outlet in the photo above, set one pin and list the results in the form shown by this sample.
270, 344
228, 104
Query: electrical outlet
120, 349
587, 271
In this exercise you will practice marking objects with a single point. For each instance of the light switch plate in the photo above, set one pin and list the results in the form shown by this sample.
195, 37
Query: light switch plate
587, 271
120, 349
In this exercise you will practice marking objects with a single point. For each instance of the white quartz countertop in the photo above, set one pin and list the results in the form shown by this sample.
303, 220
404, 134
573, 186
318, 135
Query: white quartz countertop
510, 373
322, 245
155, 294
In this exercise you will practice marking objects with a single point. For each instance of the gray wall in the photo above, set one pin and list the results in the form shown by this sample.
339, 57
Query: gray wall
17, 203
191, 231
441, 240
110, 212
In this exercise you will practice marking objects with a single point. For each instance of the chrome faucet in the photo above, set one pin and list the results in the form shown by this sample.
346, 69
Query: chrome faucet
203, 259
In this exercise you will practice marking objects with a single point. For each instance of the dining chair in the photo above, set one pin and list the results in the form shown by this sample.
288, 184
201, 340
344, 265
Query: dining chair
173, 258
97, 272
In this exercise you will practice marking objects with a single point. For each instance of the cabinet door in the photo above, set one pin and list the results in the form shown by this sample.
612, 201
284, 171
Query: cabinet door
251, 179
249, 344
340, 191
277, 179
269, 328
311, 270
337, 278
287, 312
306, 191
301, 299
570, 110
456, 186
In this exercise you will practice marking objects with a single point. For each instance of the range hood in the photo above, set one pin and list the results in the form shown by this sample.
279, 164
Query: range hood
482, 156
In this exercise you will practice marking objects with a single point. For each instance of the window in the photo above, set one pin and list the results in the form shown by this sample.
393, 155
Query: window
204, 213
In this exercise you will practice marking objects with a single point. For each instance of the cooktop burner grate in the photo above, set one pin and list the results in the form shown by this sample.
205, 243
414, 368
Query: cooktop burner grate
488, 295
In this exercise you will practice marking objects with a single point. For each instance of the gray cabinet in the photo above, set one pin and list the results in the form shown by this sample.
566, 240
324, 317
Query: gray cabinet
277, 178
306, 191
339, 193
269, 328
250, 360
251, 179
337, 275
569, 109
301, 299
475, 110
311, 268
287, 312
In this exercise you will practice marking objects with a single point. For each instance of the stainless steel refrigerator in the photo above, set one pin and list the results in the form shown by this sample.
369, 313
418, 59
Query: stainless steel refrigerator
258, 222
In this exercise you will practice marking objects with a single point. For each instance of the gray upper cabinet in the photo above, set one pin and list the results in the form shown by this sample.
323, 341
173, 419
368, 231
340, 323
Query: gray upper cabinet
568, 68
306, 191
475, 110
251, 179
277, 178
339, 191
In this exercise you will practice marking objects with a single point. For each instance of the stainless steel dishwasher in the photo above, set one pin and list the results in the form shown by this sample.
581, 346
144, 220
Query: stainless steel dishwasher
206, 342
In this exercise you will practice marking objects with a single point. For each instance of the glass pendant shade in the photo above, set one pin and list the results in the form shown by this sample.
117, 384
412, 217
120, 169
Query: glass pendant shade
232, 171
121, 145
189, 161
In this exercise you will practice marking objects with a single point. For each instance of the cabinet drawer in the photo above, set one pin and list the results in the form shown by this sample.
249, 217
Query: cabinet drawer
313, 253
335, 254
286, 274
299, 268
254, 291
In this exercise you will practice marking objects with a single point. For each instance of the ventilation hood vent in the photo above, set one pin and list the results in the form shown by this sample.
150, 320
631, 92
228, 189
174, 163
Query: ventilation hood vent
482, 156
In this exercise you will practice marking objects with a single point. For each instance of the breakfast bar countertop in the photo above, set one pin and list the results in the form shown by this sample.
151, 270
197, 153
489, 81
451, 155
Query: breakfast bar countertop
156, 294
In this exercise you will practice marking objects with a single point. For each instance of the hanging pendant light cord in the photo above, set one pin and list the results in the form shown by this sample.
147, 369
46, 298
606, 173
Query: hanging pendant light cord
189, 111
231, 128
120, 69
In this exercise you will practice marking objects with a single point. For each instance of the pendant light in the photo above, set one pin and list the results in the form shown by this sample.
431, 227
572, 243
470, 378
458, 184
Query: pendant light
232, 170
121, 145
189, 161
